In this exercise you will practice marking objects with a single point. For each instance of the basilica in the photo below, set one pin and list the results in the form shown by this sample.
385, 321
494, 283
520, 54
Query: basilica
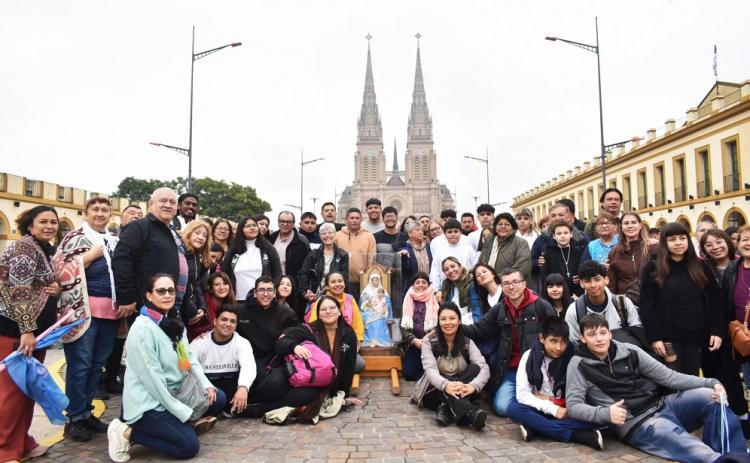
413, 191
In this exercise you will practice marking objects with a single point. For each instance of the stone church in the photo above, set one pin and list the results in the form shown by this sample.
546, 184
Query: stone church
413, 191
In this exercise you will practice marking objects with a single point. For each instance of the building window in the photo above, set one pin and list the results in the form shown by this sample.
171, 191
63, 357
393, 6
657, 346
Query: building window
626, 198
731, 166
735, 219
33, 188
642, 190
3, 182
703, 172
580, 206
64, 194
590, 204
659, 185
680, 183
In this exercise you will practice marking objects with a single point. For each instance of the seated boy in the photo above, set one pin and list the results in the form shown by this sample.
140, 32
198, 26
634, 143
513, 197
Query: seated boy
540, 390
615, 383
598, 299
227, 359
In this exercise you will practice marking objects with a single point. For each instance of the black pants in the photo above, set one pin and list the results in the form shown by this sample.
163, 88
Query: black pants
112, 367
460, 407
720, 365
269, 385
293, 397
689, 355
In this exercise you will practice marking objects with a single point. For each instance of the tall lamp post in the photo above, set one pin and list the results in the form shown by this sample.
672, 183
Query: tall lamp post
189, 150
593, 49
486, 162
302, 164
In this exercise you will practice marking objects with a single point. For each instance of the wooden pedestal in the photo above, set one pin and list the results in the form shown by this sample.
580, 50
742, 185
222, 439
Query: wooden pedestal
380, 362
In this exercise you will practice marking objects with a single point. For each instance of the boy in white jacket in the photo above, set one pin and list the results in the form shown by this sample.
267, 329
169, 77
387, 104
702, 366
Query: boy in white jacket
540, 390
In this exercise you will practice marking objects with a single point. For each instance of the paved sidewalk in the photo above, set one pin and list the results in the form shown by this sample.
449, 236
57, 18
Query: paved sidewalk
385, 429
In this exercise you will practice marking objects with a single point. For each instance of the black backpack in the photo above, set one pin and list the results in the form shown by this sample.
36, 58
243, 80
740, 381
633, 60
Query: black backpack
635, 335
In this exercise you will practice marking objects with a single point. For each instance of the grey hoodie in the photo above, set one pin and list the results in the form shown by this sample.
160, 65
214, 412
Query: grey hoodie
587, 402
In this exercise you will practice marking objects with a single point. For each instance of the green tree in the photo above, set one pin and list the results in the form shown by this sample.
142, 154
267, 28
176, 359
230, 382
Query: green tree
216, 198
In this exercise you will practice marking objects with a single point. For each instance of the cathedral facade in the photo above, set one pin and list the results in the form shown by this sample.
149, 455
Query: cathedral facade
413, 191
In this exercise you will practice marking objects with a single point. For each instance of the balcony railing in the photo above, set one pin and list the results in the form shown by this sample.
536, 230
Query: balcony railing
704, 188
659, 198
731, 182
641, 202
679, 194
704, 111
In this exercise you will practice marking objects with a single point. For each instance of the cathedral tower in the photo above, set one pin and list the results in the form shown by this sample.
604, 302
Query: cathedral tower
369, 164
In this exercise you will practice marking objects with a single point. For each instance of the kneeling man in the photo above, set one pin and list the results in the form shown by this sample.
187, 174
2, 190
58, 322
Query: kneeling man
609, 382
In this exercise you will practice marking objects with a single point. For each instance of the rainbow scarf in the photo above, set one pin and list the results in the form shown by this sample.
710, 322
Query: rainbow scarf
174, 329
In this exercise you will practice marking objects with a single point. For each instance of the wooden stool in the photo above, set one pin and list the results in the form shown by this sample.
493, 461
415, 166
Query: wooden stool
381, 362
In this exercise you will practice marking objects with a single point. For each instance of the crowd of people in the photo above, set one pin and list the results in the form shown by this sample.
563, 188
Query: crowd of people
571, 329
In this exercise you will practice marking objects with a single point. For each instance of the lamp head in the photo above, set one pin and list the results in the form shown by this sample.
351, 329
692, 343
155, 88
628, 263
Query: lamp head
551, 39
236, 44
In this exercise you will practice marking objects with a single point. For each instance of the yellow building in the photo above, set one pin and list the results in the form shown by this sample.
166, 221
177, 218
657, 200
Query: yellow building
18, 194
691, 169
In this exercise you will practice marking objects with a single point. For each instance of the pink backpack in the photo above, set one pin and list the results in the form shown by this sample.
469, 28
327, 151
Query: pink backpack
317, 371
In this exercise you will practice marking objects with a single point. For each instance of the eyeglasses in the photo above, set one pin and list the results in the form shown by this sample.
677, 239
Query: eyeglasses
511, 284
265, 290
164, 291
606, 224
286, 222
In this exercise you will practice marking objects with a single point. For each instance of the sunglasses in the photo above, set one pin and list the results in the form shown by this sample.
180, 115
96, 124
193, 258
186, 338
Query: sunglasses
164, 291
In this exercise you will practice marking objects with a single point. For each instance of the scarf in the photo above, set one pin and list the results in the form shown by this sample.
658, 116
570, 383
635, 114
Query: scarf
463, 285
109, 242
346, 301
174, 330
71, 274
557, 368
431, 308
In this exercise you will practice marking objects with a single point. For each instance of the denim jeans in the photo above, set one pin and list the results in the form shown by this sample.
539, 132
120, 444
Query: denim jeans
85, 359
560, 430
413, 364
667, 434
164, 433
506, 394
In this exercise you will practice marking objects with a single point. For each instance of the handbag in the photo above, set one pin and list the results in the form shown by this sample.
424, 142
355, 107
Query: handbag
739, 334
193, 395
316, 371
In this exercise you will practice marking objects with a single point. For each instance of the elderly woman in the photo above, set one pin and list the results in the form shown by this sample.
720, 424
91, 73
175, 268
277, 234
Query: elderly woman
416, 256
167, 398
454, 373
196, 239
504, 249
28, 304
91, 246
319, 263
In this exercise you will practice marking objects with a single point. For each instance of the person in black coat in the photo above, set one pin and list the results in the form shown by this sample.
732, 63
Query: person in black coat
564, 257
147, 246
268, 265
410, 261
312, 275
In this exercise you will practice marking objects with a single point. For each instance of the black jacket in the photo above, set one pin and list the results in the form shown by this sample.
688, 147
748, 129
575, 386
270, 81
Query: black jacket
409, 266
311, 273
296, 252
193, 300
728, 285
146, 247
680, 311
347, 358
262, 327
554, 262
497, 324
545, 241
269, 258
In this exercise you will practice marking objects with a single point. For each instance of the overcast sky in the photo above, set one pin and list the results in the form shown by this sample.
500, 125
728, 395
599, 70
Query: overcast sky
85, 85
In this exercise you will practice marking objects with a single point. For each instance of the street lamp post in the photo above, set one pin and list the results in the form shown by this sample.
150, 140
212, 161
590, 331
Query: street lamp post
486, 162
593, 49
302, 164
314, 200
189, 150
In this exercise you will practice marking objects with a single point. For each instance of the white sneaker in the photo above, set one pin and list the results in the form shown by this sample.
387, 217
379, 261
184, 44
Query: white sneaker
119, 447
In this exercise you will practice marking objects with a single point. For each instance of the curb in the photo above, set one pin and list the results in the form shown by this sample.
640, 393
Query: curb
98, 411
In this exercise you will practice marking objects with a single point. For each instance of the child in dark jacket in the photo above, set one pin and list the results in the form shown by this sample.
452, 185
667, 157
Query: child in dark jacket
563, 258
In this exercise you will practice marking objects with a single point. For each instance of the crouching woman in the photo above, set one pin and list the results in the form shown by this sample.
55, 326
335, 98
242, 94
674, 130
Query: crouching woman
167, 398
454, 373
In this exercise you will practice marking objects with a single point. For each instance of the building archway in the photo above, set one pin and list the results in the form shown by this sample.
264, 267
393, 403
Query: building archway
661, 222
685, 222
707, 217
66, 226
735, 217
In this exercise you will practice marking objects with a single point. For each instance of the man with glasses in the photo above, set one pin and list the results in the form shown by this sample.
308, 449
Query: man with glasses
515, 323
290, 245
598, 249
261, 321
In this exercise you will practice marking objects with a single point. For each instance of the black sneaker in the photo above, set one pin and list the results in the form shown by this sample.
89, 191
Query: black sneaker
443, 415
113, 387
77, 432
101, 394
591, 438
95, 425
477, 418
526, 434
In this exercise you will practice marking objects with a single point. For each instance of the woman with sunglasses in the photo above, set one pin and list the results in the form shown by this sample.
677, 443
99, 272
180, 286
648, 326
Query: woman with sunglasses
159, 363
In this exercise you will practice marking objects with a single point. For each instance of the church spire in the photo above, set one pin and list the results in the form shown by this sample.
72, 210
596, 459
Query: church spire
369, 128
420, 121
395, 156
